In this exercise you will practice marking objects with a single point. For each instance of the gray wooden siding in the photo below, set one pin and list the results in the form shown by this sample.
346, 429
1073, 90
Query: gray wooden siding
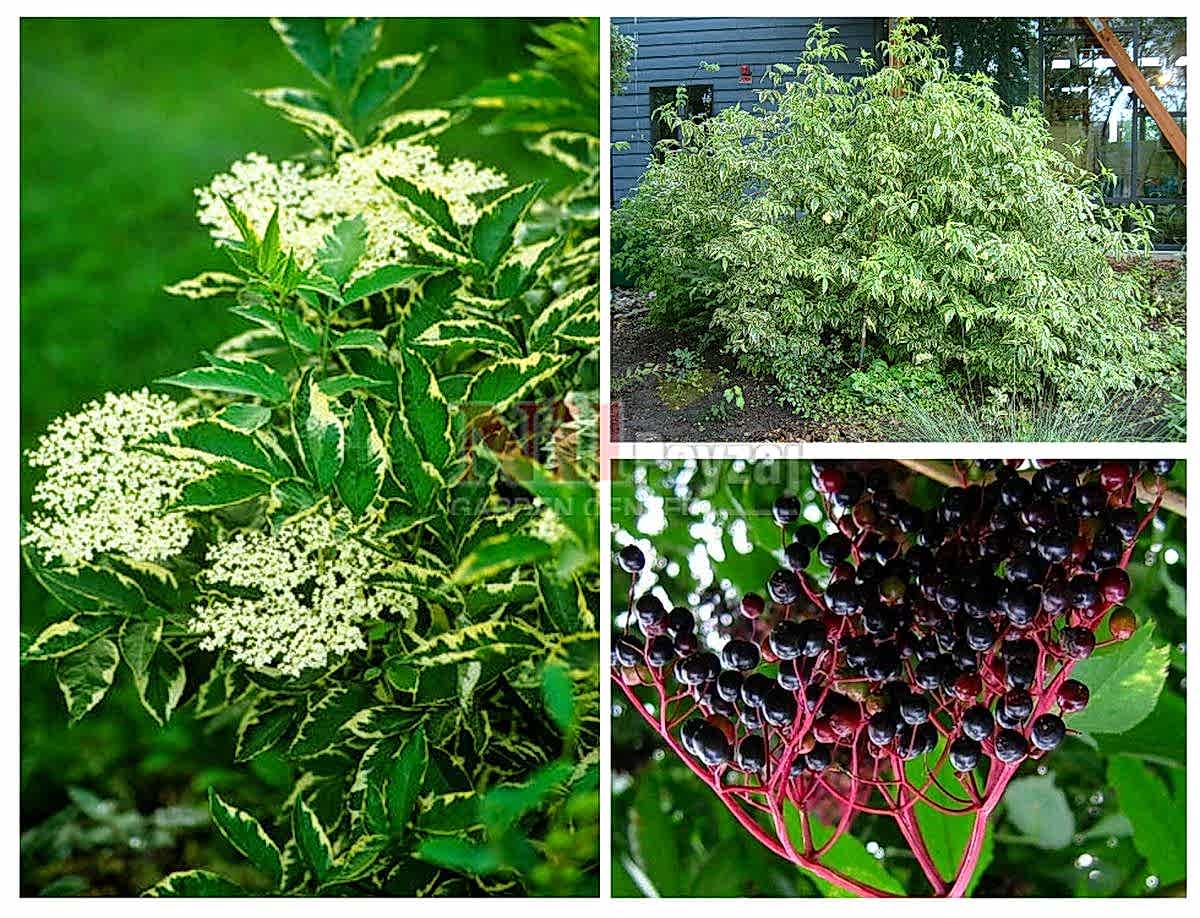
669, 53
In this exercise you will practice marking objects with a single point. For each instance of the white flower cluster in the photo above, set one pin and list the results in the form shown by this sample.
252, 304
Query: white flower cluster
99, 494
311, 596
312, 202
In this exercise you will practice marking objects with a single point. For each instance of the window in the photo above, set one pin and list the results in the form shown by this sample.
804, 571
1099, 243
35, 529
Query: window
692, 102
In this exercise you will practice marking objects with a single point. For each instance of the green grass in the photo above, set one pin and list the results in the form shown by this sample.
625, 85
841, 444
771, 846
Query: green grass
120, 121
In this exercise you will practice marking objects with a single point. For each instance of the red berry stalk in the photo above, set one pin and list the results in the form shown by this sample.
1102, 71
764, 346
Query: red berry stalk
931, 637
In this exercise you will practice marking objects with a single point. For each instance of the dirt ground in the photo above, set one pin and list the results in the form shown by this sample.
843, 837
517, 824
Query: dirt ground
653, 403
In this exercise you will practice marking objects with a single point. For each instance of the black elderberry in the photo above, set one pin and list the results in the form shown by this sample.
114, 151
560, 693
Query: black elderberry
1056, 597
833, 548
842, 597
783, 587
729, 685
787, 640
751, 717
788, 677
712, 748
1018, 705
680, 621
686, 643
914, 709
818, 758
740, 655
649, 610
1058, 479
964, 657
878, 620
717, 702
1072, 696
751, 754
1054, 545
1015, 492
1085, 591
625, 652
698, 668
1160, 467
1125, 521
978, 723
928, 674
869, 571
753, 605
1090, 500
660, 651
979, 634
949, 596
812, 638
779, 707
1019, 672
1077, 643
1020, 604
786, 510
909, 518
631, 559
808, 536
755, 688
964, 753
881, 727
1024, 569
797, 556
687, 733
1048, 731
1107, 547
1010, 746
858, 650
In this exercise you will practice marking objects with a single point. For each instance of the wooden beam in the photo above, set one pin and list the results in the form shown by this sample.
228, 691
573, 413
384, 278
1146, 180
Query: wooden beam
1136, 80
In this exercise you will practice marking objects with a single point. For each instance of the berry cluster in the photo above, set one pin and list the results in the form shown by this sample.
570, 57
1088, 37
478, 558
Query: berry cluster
947, 633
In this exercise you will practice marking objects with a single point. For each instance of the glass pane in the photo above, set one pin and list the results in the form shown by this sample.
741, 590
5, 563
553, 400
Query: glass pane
1005, 48
1088, 105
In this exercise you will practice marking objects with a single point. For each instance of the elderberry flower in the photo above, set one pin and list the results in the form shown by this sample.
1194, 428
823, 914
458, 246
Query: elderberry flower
312, 202
99, 493
293, 598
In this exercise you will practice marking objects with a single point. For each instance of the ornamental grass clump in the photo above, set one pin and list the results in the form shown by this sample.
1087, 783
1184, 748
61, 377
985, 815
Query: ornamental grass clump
345, 543
902, 214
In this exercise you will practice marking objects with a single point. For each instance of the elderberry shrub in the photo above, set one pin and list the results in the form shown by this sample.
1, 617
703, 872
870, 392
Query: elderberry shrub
961, 620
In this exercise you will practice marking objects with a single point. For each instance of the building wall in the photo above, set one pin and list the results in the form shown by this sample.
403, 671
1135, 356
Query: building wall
669, 52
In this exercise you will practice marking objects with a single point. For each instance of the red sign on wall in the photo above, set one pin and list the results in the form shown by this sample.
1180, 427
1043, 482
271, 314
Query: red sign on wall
745, 74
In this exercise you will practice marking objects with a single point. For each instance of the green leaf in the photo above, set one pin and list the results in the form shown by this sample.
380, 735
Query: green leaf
138, 640
205, 285
459, 855
260, 729
502, 382
946, 835
358, 859
404, 782
85, 675
1039, 809
499, 553
318, 432
193, 884
325, 719
505, 640
162, 683
69, 635
308, 41
557, 314
478, 334
1125, 680
653, 839
343, 249
426, 410
502, 806
220, 489
495, 229
1160, 738
355, 42
294, 329
245, 833
236, 376
574, 501
362, 473
424, 203
387, 81
337, 386
219, 445
1159, 820
558, 695
366, 338
848, 856
312, 840
564, 602
245, 417
386, 278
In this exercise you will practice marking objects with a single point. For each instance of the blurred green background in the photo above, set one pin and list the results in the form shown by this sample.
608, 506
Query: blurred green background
120, 121
709, 538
